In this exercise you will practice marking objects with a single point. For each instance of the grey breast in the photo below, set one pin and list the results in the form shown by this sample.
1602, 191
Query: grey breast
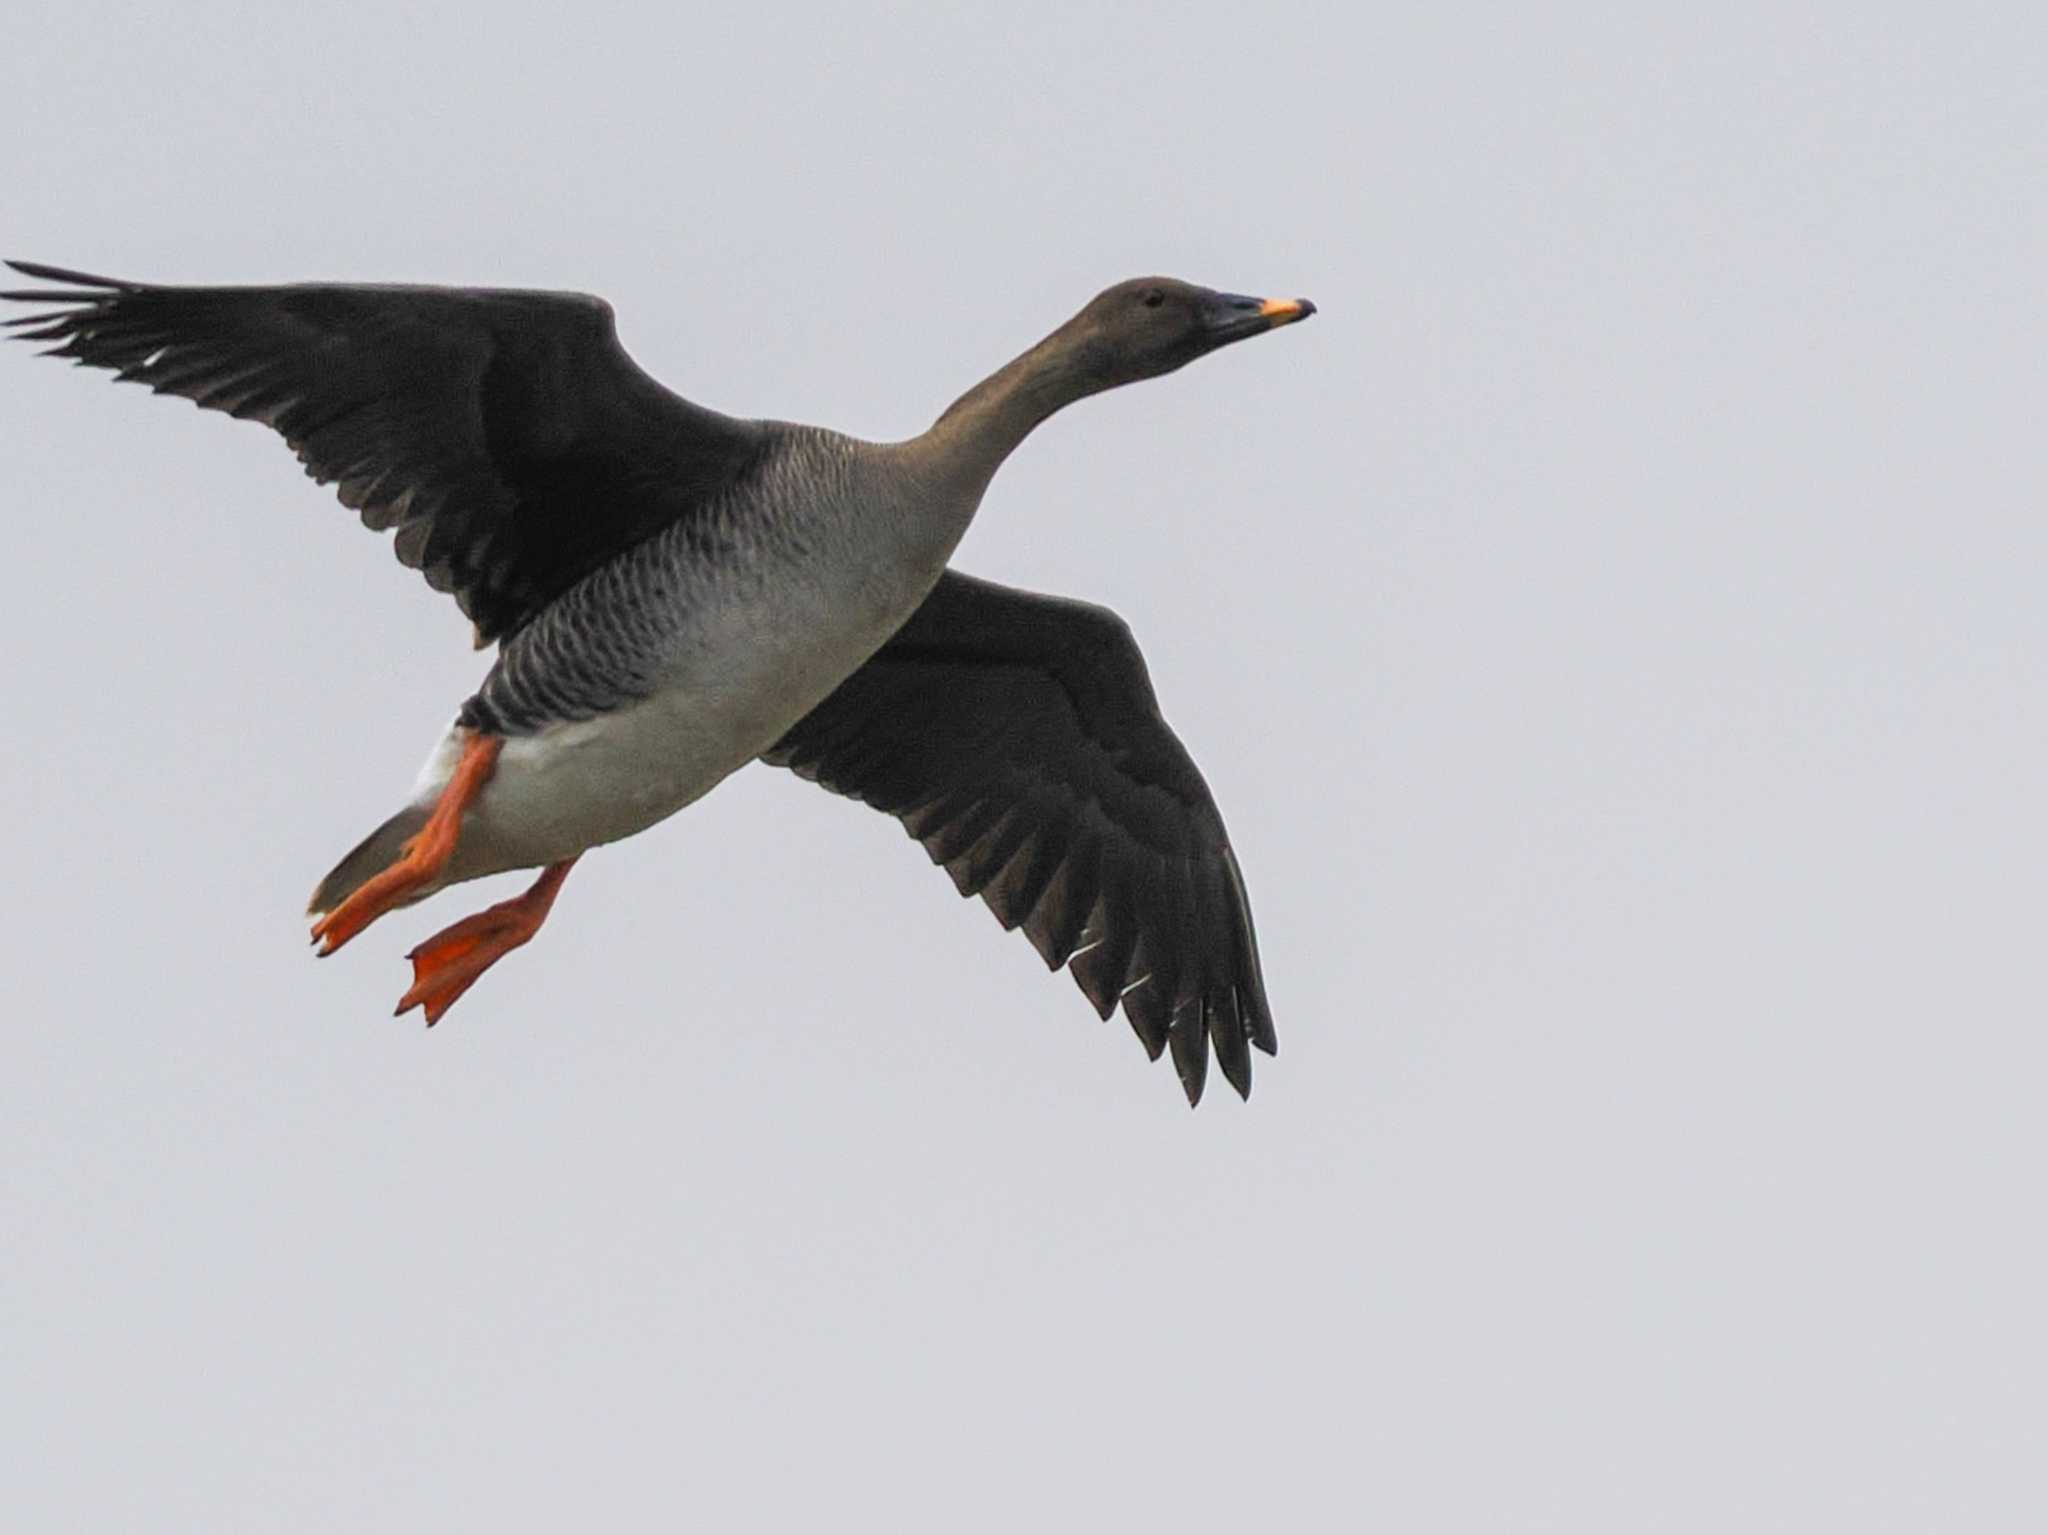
788, 539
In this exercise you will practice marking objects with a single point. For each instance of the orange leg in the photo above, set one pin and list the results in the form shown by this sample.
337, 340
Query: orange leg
424, 856
447, 964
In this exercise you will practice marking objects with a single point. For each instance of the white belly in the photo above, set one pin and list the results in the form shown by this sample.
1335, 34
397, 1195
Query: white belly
576, 786
746, 676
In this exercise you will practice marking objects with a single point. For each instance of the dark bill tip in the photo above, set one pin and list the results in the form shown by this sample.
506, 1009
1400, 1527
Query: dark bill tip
1235, 316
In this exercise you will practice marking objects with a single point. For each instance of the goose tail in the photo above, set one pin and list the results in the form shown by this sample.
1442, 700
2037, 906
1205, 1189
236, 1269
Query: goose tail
374, 853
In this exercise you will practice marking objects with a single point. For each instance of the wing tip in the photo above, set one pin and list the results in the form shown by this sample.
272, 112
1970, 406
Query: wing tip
1191, 1064
43, 272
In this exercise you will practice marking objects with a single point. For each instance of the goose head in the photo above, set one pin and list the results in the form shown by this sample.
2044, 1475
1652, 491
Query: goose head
1152, 325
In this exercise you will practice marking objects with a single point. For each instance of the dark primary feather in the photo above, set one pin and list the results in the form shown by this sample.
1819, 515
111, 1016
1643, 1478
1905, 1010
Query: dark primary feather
1017, 737
504, 434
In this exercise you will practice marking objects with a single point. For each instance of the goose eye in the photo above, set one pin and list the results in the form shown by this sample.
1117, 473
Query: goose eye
1154, 298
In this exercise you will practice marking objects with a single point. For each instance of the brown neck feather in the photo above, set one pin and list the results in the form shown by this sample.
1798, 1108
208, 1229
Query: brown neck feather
984, 426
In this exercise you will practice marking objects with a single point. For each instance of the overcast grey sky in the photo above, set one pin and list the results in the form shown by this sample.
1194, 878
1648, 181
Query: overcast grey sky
1613, 629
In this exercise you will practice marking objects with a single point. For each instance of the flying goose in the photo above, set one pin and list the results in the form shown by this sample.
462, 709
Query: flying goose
674, 593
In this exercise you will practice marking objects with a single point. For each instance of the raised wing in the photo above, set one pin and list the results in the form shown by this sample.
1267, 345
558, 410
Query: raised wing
1017, 737
505, 435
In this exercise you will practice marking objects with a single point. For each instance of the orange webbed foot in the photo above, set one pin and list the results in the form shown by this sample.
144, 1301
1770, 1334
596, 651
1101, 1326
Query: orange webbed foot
424, 855
382, 892
448, 964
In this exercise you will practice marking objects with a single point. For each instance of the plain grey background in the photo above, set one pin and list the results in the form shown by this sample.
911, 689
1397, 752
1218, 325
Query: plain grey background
1613, 629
